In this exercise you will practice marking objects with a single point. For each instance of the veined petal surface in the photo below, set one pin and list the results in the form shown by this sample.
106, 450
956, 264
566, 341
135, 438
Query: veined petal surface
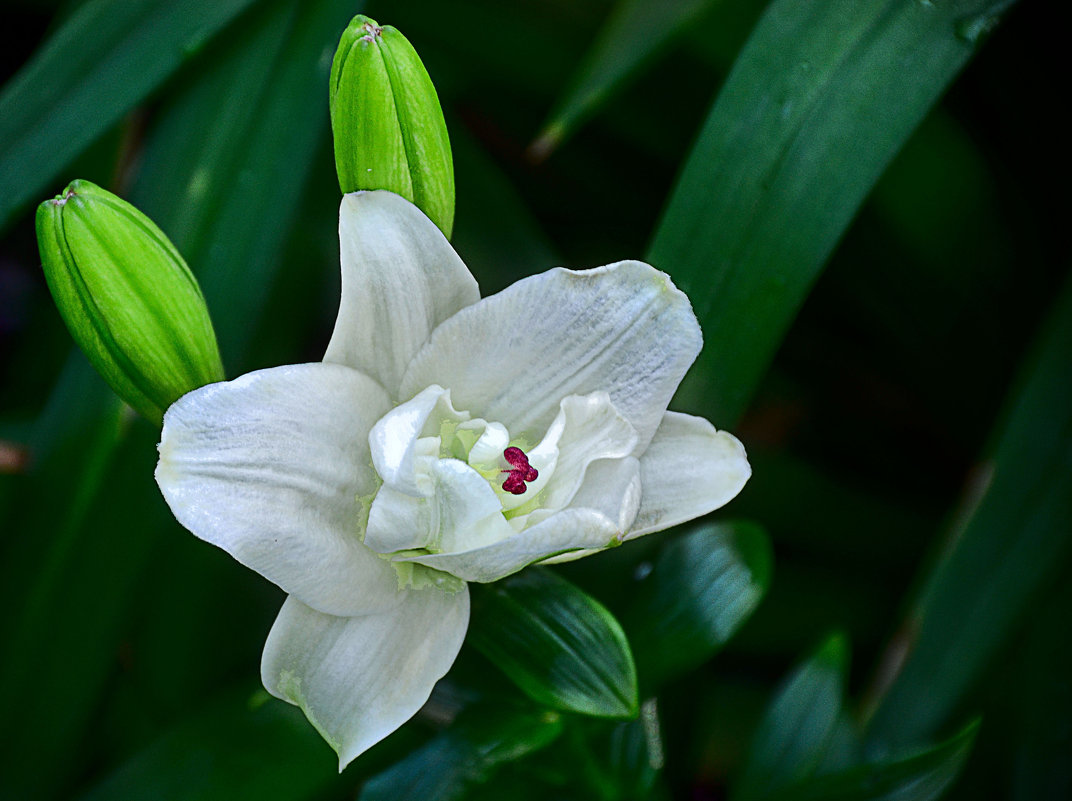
689, 469
358, 679
270, 467
624, 329
400, 279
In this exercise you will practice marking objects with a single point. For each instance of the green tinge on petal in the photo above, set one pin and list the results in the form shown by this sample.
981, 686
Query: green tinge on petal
412, 576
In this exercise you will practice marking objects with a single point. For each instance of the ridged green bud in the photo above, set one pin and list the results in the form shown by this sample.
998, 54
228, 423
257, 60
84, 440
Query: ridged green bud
127, 297
387, 123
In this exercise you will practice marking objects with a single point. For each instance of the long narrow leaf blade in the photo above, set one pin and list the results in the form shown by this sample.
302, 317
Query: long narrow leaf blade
227, 751
632, 35
104, 555
101, 63
920, 777
820, 99
1006, 549
239, 195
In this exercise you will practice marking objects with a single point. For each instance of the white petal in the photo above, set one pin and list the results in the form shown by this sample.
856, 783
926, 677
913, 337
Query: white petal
613, 488
400, 279
359, 678
591, 429
460, 512
689, 469
398, 521
270, 467
402, 447
469, 512
492, 442
624, 329
567, 530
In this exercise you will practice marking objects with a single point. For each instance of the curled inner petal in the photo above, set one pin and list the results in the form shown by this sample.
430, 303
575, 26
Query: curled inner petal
522, 471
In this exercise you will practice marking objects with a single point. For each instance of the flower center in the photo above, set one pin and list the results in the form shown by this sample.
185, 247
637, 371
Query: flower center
521, 472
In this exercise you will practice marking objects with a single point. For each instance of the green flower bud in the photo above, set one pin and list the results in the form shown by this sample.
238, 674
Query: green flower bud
387, 122
127, 297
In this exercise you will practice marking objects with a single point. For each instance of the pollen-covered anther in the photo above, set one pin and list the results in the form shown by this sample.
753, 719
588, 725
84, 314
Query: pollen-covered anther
520, 472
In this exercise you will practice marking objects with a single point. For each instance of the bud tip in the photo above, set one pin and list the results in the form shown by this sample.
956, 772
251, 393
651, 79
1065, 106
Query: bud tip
372, 32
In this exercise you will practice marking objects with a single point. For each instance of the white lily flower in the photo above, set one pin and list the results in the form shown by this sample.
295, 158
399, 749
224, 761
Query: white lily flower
444, 439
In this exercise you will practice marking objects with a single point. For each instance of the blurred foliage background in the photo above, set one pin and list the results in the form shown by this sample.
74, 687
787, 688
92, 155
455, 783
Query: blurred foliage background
866, 202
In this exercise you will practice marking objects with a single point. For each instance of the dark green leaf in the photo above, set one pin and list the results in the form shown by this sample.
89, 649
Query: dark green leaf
82, 574
101, 63
820, 99
797, 727
1041, 737
464, 755
560, 646
703, 586
635, 31
495, 233
629, 757
922, 777
845, 747
67, 640
235, 748
1015, 526
232, 196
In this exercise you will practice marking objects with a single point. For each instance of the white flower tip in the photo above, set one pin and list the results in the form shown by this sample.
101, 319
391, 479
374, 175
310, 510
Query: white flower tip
665, 284
352, 201
736, 459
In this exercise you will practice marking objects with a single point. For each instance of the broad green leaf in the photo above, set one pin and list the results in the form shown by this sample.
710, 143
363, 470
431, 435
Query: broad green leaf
633, 34
465, 755
106, 58
797, 728
562, 647
1013, 529
921, 777
820, 99
232, 749
626, 760
702, 587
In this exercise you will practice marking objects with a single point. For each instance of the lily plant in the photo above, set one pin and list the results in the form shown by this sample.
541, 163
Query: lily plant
444, 439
